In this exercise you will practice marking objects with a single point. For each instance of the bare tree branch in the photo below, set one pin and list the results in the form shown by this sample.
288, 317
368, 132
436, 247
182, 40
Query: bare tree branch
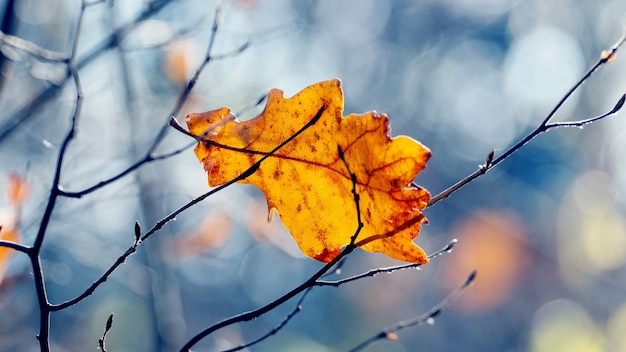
388, 270
18, 247
32, 49
42, 298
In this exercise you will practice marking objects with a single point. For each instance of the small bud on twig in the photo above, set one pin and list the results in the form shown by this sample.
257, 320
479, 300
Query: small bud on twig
108, 326
489, 159
137, 232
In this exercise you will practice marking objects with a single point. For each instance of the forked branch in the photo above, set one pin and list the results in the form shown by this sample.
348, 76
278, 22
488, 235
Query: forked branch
545, 126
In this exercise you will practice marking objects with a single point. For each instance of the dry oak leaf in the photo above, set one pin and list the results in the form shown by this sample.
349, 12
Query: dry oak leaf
306, 181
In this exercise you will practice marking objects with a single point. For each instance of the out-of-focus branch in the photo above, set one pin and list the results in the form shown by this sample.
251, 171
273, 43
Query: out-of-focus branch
42, 97
184, 95
32, 49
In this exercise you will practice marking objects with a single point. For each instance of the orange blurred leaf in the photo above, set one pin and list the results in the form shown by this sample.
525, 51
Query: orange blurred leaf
18, 189
306, 181
493, 244
180, 60
8, 232
17, 192
212, 232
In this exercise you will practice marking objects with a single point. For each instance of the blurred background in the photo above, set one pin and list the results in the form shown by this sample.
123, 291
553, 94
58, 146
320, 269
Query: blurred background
545, 229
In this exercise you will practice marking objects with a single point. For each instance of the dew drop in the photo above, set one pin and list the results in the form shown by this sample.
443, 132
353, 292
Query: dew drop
430, 321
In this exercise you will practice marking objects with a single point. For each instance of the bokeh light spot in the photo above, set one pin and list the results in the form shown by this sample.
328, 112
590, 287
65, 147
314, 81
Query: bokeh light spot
541, 66
563, 325
492, 243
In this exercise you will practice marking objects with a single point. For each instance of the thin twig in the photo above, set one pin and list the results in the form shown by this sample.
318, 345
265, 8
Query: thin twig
201, 138
581, 123
102, 340
389, 332
207, 58
33, 49
418, 218
545, 126
233, 53
388, 270
278, 327
13, 245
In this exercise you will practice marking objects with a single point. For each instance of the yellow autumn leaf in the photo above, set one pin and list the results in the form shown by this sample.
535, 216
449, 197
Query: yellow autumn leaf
307, 182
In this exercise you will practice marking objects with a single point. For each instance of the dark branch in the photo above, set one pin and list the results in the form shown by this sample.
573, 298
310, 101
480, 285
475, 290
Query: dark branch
42, 297
102, 340
13, 245
355, 195
253, 314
